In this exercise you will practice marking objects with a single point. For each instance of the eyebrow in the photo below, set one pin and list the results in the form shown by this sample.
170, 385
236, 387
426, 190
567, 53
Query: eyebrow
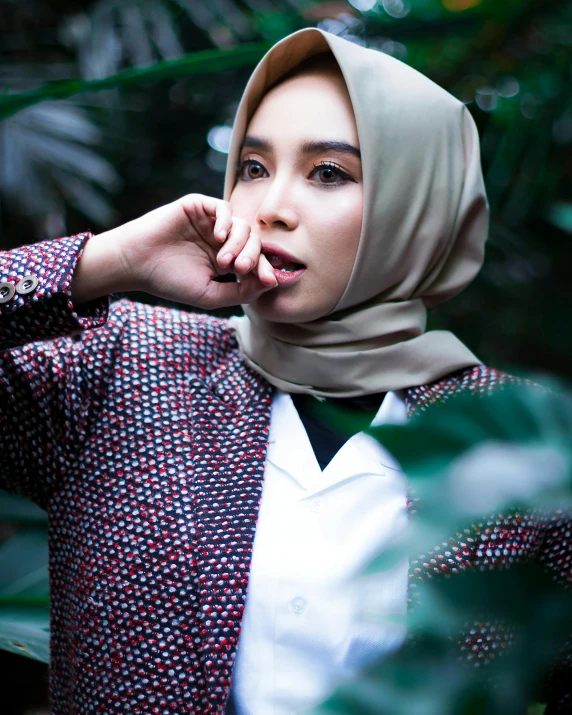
308, 147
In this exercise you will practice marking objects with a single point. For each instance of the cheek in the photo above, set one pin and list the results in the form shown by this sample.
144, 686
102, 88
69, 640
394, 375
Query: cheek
243, 204
339, 228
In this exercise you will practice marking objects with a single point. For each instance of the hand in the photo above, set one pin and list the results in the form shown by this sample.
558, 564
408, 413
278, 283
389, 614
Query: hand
176, 252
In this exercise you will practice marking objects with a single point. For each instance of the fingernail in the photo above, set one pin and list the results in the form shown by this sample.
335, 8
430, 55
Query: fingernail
246, 263
226, 257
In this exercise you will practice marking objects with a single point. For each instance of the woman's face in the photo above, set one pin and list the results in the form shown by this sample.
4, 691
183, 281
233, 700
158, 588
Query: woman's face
299, 185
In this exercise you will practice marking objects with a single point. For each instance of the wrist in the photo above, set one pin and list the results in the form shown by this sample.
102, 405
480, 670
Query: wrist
100, 269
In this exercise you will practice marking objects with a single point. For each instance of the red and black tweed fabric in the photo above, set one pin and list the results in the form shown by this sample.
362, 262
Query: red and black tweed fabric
143, 434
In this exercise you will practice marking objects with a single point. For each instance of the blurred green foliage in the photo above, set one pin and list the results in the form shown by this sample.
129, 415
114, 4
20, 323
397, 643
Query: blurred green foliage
24, 585
507, 454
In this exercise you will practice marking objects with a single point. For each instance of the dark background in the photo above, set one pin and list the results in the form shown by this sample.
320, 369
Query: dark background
97, 159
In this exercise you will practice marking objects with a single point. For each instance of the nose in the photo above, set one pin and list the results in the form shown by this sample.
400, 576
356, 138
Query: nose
277, 209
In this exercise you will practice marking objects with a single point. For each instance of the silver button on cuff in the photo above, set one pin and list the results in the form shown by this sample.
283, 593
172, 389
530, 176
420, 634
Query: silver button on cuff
27, 285
7, 291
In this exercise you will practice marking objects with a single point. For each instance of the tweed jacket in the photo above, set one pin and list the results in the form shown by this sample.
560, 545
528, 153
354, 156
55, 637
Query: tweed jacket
143, 434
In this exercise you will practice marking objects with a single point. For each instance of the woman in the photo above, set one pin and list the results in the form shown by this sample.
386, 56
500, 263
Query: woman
162, 443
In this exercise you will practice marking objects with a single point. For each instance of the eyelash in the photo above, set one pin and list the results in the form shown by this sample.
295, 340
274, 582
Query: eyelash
335, 167
322, 165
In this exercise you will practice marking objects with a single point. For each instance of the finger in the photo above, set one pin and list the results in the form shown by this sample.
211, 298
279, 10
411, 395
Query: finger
250, 287
223, 222
237, 238
247, 259
265, 272
225, 295
199, 206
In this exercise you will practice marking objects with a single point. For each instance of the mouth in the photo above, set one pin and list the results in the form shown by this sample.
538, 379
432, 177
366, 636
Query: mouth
287, 268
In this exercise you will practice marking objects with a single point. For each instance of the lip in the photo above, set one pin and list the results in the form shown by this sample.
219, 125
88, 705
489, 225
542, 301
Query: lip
284, 279
281, 253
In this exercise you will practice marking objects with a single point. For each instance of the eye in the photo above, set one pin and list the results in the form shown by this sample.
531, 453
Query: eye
329, 172
250, 169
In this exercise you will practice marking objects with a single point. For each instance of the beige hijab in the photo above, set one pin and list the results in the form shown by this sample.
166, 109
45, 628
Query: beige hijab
425, 222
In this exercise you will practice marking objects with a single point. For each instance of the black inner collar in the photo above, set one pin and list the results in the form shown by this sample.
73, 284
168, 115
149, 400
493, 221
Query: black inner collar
325, 437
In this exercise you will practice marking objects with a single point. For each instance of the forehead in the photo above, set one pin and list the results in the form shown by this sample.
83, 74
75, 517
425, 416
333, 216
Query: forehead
311, 104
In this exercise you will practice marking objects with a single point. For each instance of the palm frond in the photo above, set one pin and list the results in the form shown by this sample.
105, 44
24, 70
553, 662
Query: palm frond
50, 150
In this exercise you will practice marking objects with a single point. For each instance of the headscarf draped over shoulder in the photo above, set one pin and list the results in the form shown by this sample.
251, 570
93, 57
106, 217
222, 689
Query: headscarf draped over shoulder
425, 223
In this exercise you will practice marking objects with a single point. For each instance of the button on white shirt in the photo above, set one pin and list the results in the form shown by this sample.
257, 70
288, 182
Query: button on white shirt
305, 627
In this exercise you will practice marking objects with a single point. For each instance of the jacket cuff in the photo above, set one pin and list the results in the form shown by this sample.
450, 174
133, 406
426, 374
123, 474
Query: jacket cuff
35, 295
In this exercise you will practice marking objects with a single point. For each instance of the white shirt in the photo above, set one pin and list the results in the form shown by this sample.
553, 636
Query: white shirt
304, 628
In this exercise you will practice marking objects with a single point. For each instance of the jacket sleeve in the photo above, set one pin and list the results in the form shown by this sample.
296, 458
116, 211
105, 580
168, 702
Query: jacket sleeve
44, 397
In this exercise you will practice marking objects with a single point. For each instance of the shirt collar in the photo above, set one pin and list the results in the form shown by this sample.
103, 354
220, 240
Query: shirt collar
290, 449
392, 411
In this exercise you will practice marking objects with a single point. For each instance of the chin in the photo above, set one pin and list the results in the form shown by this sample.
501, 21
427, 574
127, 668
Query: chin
280, 307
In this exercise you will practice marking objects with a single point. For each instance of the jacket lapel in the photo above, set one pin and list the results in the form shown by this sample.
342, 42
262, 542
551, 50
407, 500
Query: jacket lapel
231, 419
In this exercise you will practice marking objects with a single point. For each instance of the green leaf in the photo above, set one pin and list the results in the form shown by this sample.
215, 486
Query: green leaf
204, 62
17, 508
24, 569
427, 675
26, 632
560, 214
467, 457
24, 593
